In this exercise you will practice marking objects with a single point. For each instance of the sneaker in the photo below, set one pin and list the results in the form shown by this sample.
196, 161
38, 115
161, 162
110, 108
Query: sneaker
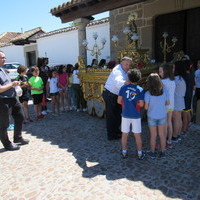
21, 141
124, 155
169, 144
40, 117
70, 108
12, 147
175, 139
44, 112
74, 107
84, 109
162, 155
179, 138
29, 119
183, 134
78, 110
151, 154
141, 156
11, 127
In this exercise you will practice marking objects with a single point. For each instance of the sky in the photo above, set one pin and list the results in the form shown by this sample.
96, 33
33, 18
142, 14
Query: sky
24, 15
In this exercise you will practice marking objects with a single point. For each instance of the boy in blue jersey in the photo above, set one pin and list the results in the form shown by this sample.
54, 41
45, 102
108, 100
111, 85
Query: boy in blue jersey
131, 97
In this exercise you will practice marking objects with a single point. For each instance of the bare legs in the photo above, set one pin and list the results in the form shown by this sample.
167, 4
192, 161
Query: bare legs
186, 116
154, 131
138, 141
63, 98
55, 104
26, 110
177, 123
38, 109
169, 126
124, 140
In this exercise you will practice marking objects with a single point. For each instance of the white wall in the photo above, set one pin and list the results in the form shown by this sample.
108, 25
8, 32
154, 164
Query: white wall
60, 48
103, 31
14, 53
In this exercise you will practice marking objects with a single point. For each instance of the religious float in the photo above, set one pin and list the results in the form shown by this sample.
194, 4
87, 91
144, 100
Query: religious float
93, 79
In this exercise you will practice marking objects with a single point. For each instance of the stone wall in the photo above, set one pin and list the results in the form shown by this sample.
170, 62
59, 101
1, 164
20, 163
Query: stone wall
147, 12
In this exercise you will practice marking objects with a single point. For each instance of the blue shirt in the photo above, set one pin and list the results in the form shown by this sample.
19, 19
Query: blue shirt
131, 94
157, 108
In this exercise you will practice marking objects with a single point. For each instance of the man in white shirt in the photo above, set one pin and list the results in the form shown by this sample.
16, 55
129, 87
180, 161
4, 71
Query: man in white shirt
117, 78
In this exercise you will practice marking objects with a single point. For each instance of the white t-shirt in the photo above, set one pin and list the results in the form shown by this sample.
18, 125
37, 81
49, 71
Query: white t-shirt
170, 86
116, 79
53, 84
76, 80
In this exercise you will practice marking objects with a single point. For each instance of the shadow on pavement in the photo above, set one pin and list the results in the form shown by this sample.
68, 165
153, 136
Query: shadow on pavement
177, 176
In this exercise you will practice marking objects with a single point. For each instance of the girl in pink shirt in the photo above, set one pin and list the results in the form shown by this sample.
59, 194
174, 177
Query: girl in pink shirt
62, 85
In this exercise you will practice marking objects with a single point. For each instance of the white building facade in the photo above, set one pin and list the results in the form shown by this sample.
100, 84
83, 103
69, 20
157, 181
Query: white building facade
14, 53
103, 31
61, 46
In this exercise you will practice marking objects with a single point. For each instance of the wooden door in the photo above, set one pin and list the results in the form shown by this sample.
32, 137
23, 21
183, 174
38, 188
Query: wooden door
174, 25
193, 34
185, 25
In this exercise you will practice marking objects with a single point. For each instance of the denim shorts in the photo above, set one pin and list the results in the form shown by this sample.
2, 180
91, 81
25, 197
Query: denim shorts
156, 122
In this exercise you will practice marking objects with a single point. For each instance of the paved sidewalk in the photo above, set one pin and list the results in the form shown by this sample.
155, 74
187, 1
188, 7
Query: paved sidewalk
69, 158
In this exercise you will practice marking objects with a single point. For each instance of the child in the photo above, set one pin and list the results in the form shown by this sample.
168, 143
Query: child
62, 85
156, 99
167, 75
80, 101
197, 85
131, 97
70, 93
52, 84
37, 86
44, 74
179, 102
22, 70
186, 113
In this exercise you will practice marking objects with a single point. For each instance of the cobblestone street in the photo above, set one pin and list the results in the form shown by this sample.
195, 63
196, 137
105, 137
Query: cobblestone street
69, 158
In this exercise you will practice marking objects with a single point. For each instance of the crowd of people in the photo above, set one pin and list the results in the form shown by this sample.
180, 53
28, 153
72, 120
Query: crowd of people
61, 84
166, 100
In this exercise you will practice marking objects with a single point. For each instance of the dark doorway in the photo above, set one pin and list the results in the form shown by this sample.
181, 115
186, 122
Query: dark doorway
185, 25
31, 58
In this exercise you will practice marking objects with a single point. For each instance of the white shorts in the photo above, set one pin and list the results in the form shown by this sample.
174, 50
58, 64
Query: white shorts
126, 125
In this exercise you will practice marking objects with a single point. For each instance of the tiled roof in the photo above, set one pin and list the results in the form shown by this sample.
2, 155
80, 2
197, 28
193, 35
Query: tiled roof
7, 37
68, 4
75, 9
27, 34
101, 21
96, 22
58, 31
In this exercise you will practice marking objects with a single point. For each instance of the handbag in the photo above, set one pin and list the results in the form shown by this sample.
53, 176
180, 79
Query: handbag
18, 91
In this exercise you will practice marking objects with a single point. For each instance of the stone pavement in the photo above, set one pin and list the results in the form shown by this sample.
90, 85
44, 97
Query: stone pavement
69, 158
